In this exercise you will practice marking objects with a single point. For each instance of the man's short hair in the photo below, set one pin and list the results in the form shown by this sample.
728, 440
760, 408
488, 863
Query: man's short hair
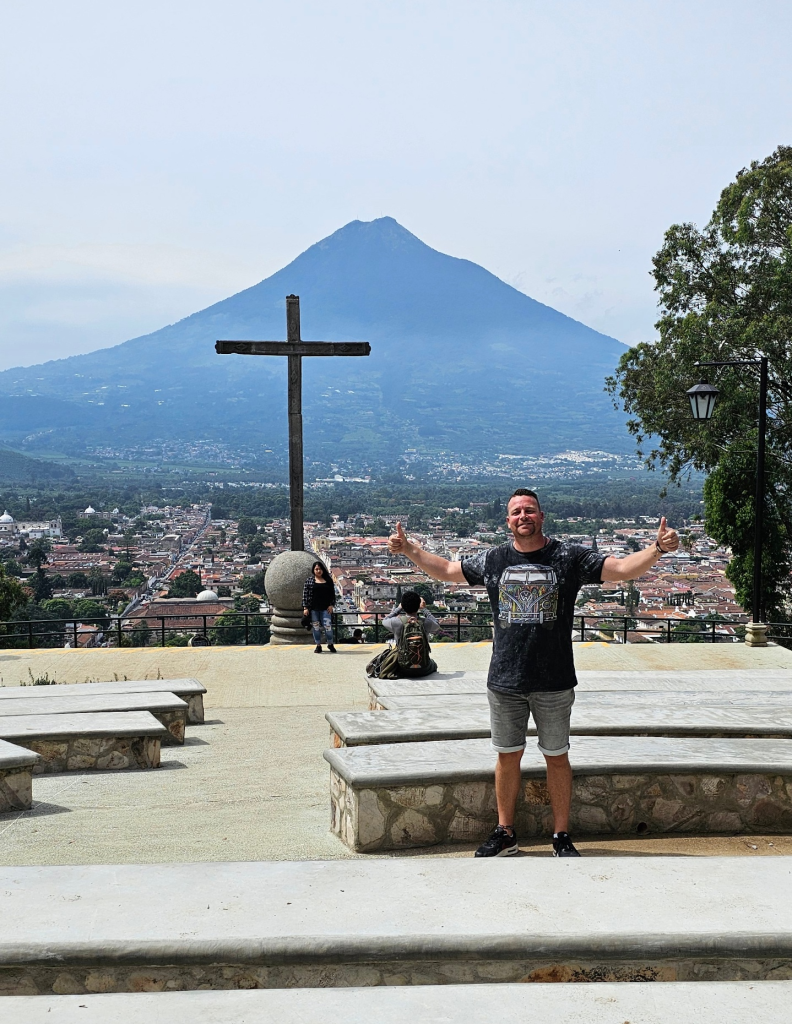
410, 602
523, 492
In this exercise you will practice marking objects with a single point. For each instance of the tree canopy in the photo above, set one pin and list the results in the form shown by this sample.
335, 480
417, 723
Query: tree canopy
725, 292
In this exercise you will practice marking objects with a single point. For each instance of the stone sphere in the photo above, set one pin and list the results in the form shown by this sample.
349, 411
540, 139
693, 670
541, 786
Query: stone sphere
286, 576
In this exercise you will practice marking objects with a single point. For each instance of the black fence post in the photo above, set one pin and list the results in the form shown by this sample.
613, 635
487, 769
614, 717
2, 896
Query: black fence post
162, 621
668, 631
459, 627
75, 632
247, 629
625, 630
204, 625
30, 634
376, 627
119, 630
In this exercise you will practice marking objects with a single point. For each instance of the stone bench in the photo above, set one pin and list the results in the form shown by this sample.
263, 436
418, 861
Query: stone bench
465, 683
393, 921
168, 709
111, 740
190, 690
722, 1002
398, 795
781, 699
16, 777
589, 718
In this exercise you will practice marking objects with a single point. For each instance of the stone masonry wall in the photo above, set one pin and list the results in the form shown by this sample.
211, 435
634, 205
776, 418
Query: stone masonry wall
16, 789
63, 979
75, 753
403, 816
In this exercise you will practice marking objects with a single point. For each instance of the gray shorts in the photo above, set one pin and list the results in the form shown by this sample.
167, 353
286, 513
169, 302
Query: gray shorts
509, 713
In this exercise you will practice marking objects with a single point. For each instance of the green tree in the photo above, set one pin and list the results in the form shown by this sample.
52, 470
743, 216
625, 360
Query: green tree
76, 580
60, 607
87, 610
725, 293
12, 596
121, 571
255, 584
41, 585
38, 553
246, 528
92, 540
255, 547
186, 584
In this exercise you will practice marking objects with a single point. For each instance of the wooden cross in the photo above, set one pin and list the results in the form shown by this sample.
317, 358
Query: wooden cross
295, 348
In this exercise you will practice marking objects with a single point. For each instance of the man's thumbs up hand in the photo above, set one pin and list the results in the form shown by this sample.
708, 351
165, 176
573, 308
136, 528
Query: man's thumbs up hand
667, 538
397, 542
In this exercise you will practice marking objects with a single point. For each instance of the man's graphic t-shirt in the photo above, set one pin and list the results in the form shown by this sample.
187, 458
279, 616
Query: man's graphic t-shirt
533, 602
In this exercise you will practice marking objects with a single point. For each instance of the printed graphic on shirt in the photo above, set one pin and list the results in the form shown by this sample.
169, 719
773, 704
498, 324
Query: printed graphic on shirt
527, 594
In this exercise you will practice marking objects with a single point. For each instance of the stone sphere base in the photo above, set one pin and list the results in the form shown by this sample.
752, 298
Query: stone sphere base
284, 583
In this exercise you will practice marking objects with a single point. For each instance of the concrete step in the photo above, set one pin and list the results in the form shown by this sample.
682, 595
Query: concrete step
16, 777
736, 1002
392, 796
379, 921
589, 718
190, 690
167, 708
75, 742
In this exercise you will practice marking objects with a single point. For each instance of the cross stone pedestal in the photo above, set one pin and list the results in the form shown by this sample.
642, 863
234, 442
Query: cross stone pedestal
756, 634
284, 581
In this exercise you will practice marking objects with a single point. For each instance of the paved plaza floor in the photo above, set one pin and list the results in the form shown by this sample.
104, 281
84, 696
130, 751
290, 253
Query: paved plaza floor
251, 783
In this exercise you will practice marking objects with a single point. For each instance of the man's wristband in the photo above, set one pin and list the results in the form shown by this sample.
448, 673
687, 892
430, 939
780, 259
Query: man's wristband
661, 550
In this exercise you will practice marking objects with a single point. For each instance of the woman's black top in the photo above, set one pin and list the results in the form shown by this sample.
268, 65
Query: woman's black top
318, 597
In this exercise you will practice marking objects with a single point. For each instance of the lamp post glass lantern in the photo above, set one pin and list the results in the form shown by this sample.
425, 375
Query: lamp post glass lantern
702, 400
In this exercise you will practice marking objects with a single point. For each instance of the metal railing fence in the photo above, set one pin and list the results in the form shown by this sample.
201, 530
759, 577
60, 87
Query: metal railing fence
244, 628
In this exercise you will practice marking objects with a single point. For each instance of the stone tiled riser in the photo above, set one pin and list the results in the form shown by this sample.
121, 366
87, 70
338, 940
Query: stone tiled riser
396, 817
66, 980
78, 753
16, 789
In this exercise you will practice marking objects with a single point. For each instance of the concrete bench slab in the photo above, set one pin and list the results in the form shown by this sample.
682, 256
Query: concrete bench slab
16, 777
735, 1002
190, 690
167, 708
106, 928
399, 795
111, 740
444, 684
589, 718
781, 699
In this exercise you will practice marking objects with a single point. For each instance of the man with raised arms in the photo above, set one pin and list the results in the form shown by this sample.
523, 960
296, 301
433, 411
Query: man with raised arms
532, 582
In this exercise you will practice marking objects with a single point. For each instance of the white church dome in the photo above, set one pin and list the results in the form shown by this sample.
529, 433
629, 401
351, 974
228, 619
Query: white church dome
6, 518
207, 595
90, 511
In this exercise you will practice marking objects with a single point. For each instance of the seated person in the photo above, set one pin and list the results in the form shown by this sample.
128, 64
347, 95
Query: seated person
411, 625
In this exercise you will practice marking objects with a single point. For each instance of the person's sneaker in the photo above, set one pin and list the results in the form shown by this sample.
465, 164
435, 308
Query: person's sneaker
499, 843
318, 649
562, 846
332, 649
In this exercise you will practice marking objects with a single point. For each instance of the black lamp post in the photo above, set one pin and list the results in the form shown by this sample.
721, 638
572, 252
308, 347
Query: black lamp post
702, 402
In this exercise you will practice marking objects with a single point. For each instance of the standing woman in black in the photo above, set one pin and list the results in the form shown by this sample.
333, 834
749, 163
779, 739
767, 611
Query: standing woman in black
319, 598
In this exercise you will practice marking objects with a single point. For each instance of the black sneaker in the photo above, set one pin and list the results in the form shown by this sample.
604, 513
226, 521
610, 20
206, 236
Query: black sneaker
562, 846
499, 844
318, 649
332, 649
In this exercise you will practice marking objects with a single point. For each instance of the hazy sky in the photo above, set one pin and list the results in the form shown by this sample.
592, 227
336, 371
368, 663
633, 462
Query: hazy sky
157, 157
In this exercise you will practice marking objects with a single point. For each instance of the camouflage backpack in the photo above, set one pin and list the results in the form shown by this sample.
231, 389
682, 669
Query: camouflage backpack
413, 644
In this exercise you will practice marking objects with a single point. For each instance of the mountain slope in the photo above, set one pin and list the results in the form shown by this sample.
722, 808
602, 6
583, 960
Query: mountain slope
460, 361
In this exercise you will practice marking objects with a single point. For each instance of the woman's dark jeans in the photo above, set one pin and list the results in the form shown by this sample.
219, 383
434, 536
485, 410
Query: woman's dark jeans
322, 622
